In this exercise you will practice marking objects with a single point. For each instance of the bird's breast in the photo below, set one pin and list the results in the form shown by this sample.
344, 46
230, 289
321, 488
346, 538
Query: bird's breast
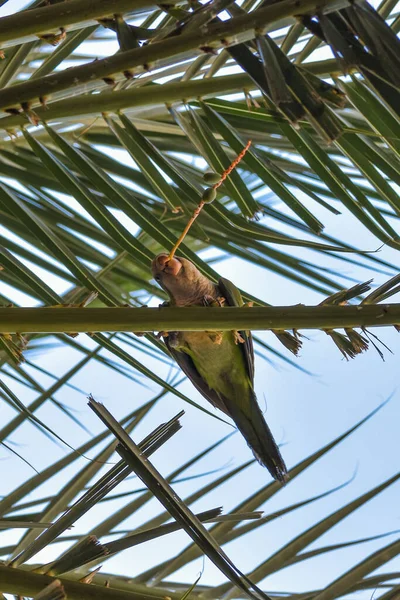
216, 356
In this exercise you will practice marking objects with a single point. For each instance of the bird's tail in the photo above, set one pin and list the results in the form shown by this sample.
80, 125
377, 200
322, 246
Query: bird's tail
258, 435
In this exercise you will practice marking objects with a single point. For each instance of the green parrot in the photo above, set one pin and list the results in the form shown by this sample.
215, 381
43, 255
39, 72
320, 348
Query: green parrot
219, 364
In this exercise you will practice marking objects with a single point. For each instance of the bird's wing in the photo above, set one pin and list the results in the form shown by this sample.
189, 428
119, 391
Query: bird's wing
234, 298
187, 365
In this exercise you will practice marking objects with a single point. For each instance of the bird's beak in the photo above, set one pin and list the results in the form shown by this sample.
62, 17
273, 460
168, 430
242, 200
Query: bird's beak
172, 267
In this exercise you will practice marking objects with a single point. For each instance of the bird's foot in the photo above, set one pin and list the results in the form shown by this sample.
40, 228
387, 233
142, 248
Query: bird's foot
238, 338
248, 304
215, 336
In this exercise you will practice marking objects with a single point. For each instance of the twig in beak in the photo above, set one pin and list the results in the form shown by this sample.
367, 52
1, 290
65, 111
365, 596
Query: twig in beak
207, 198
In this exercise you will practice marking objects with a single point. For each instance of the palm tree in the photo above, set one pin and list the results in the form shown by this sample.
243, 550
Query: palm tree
112, 114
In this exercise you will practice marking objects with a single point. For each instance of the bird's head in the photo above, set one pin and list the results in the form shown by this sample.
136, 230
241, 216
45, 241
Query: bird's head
179, 278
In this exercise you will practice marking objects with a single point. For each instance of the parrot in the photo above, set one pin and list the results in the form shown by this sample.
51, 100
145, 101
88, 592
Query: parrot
220, 364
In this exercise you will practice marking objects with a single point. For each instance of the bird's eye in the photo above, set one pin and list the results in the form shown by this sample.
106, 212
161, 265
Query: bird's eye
157, 278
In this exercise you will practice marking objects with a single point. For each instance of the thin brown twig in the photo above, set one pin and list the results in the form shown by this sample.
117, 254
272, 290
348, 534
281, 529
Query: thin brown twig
198, 209
232, 166
184, 232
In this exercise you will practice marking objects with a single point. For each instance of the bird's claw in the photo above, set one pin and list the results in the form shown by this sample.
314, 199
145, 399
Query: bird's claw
238, 339
221, 301
215, 336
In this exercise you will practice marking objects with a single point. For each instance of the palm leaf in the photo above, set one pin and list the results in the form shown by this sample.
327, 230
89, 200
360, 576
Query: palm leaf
102, 162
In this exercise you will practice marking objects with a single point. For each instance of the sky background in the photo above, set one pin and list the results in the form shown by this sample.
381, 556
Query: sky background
304, 411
